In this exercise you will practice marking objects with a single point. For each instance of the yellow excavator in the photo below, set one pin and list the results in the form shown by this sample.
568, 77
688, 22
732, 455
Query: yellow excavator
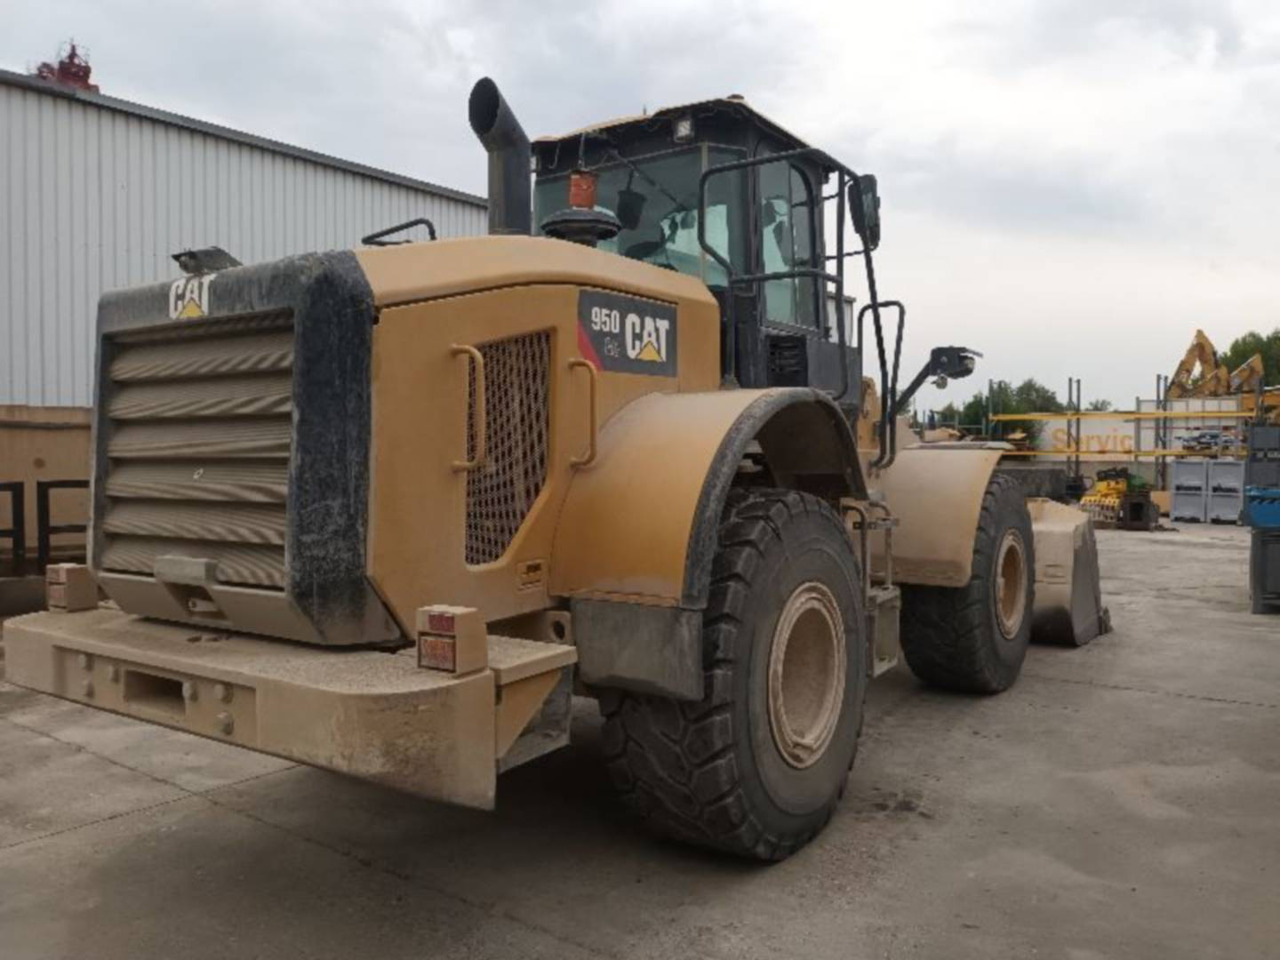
1215, 380
1246, 377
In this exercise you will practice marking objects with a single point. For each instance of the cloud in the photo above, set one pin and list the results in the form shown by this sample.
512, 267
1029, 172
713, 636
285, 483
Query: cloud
1065, 28
1070, 185
1064, 195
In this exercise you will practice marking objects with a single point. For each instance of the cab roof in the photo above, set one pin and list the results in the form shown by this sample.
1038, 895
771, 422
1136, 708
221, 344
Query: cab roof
734, 103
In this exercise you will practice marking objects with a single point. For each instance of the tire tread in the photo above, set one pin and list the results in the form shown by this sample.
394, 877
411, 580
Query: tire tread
682, 780
947, 634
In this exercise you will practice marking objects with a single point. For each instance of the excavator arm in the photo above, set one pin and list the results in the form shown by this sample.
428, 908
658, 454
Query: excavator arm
1246, 377
1214, 379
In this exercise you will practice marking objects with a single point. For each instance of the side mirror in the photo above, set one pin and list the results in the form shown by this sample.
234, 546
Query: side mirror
864, 205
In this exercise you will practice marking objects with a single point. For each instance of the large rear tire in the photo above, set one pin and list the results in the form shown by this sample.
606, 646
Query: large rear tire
756, 767
974, 639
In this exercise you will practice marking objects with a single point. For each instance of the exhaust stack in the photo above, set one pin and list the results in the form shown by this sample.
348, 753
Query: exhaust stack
510, 201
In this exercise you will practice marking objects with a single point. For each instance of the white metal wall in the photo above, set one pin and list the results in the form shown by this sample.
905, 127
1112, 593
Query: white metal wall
1181, 428
1116, 438
93, 199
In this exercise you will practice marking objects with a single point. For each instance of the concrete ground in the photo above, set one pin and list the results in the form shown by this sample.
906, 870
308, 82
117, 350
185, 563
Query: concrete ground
1122, 800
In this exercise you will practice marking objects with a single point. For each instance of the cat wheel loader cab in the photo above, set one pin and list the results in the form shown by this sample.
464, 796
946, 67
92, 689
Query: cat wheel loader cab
383, 511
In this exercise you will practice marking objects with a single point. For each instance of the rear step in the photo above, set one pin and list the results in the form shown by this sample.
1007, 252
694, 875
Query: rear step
373, 715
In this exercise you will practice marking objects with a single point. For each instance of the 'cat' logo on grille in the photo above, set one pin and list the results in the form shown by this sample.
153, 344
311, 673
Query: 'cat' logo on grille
189, 297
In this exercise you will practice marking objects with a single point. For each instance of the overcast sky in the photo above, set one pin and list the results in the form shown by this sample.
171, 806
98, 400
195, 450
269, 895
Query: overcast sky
1069, 186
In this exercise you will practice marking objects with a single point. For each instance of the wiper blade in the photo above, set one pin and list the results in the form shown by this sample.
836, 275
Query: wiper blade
680, 205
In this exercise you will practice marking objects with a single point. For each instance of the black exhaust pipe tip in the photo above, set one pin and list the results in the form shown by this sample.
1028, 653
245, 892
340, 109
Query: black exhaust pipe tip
482, 106
496, 126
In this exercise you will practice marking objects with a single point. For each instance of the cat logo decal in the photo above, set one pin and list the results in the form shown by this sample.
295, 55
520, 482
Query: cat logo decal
189, 297
622, 334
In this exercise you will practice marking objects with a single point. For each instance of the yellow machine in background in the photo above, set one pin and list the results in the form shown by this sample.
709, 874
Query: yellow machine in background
1103, 501
1246, 377
1215, 380
1121, 499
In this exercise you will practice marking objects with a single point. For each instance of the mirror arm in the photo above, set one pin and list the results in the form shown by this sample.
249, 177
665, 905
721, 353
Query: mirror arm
912, 388
951, 363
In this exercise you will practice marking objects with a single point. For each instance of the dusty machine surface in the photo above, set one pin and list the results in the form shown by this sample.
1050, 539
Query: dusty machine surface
385, 511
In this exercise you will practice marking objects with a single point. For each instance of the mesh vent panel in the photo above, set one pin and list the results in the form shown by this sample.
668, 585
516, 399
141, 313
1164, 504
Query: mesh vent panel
517, 426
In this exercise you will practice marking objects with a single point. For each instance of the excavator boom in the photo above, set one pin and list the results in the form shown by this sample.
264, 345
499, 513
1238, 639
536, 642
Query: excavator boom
1246, 377
1214, 380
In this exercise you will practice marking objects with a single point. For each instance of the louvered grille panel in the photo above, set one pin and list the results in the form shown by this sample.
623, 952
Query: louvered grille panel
224, 523
199, 438
236, 352
252, 481
245, 566
517, 426
256, 396
230, 438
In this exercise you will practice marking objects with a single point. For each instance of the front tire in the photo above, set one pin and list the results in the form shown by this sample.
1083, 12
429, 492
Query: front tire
756, 767
974, 639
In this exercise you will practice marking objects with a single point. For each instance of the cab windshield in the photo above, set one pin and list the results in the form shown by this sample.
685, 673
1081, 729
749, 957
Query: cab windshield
656, 199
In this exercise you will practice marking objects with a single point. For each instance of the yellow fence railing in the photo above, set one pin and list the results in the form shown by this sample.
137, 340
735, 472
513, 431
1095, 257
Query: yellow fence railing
1126, 415
1122, 454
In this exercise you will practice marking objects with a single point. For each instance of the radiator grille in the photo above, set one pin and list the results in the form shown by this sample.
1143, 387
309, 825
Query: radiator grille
517, 426
788, 361
199, 428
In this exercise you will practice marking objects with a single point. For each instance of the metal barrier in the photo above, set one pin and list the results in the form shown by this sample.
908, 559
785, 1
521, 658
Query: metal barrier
16, 533
45, 530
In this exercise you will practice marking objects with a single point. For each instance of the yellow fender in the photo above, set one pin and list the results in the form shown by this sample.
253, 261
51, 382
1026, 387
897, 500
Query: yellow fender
639, 525
935, 490
637, 532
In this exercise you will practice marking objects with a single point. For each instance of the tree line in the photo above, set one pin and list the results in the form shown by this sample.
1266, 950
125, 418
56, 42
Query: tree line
1030, 396
1242, 348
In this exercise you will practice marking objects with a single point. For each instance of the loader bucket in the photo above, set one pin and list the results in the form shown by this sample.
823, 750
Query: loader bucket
1068, 607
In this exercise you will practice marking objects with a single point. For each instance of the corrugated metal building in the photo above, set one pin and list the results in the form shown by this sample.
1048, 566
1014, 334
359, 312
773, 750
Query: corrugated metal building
96, 193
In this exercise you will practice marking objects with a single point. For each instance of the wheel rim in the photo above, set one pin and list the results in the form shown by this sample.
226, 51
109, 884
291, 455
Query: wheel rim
807, 664
1011, 584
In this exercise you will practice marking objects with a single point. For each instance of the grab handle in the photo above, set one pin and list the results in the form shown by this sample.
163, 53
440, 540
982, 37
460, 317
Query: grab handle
590, 457
477, 414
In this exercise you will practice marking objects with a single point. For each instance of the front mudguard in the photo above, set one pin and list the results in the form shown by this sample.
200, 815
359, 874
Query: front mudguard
639, 527
936, 493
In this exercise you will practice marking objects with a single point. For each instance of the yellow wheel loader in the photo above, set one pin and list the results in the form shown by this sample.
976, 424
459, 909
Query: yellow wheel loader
386, 511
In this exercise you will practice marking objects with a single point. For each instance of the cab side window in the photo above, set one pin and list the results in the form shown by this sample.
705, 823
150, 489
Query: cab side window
786, 243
